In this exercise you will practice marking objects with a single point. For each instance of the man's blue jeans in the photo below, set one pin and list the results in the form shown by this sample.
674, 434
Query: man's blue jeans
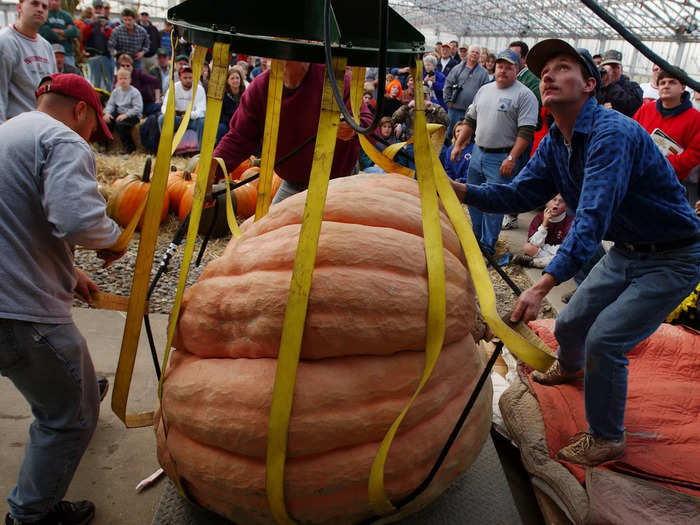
624, 299
196, 124
101, 72
485, 168
51, 367
456, 115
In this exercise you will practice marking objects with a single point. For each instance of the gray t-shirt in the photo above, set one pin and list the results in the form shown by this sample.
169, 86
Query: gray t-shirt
24, 61
49, 203
127, 101
500, 112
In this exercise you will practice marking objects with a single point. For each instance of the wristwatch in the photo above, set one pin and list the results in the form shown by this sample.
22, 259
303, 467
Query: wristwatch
510, 157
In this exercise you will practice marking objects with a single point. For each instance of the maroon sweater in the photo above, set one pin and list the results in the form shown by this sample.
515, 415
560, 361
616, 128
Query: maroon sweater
299, 118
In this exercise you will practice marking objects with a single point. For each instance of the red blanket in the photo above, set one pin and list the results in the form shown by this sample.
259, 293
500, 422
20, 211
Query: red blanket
662, 418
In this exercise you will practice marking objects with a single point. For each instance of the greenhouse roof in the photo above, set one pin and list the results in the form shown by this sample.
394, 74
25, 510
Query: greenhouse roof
669, 20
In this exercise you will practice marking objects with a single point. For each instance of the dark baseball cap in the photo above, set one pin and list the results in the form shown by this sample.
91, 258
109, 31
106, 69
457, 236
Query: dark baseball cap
551, 47
509, 56
76, 87
182, 57
162, 52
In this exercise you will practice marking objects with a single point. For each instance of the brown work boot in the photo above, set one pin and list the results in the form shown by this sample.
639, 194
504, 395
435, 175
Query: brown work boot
556, 376
590, 451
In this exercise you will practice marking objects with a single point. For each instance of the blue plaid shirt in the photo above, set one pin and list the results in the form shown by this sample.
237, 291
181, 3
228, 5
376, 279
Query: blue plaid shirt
612, 176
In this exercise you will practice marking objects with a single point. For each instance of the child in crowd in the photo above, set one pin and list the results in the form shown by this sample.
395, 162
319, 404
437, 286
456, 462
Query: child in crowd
124, 109
547, 231
457, 170
385, 131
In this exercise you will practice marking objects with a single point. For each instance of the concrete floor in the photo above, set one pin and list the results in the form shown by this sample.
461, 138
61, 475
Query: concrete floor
118, 458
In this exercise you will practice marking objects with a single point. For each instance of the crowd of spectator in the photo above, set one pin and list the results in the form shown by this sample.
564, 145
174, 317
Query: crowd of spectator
129, 55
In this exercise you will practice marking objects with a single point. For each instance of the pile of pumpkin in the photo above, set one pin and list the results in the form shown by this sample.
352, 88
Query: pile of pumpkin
128, 192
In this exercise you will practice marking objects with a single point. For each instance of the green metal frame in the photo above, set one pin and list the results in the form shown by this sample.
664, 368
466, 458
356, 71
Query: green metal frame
293, 30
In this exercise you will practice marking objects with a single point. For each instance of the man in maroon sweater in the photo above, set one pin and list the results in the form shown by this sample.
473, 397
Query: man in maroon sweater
673, 113
299, 116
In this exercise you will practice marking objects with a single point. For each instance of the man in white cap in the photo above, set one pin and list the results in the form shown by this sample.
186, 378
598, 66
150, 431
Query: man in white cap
612, 175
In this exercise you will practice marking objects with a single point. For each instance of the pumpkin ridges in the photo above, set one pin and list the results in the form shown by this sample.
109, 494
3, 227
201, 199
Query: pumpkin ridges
374, 320
320, 486
379, 207
341, 244
357, 409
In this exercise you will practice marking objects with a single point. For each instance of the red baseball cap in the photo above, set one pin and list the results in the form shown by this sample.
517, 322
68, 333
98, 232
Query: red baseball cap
75, 86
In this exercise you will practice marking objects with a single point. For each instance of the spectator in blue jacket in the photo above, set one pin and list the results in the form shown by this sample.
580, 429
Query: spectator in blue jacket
622, 189
457, 170
434, 79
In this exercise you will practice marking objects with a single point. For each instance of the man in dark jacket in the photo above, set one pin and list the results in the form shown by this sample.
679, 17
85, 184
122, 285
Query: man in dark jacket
446, 61
149, 60
618, 91
100, 63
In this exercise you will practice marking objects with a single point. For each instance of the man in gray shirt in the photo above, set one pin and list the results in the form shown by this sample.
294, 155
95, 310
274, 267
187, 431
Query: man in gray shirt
25, 58
461, 84
49, 203
506, 113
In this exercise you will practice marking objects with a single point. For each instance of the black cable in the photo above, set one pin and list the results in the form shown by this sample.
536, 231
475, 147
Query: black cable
609, 19
485, 374
205, 241
381, 68
492, 260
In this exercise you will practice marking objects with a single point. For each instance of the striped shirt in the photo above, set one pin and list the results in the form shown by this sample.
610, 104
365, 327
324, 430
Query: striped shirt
121, 41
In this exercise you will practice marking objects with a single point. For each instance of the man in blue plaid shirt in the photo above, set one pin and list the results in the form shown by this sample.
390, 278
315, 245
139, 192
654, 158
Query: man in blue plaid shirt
129, 38
622, 189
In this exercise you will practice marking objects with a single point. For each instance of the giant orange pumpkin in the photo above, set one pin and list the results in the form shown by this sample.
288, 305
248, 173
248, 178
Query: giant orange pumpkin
361, 360
127, 195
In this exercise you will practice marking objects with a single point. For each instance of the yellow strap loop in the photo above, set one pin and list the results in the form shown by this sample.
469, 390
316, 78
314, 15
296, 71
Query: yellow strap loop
197, 61
295, 313
142, 273
269, 148
211, 123
230, 215
519, 339
356, 90
432, 234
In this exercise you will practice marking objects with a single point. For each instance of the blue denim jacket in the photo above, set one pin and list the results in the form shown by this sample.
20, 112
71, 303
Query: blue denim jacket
613, 176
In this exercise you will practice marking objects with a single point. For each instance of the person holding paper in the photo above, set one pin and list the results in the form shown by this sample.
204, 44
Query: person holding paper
673, 115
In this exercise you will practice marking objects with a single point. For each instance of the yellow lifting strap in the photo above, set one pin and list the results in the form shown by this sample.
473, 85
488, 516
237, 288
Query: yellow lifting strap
269, 147
519, 339
295, 314
356, 90
142, 273
215, 95
197, 61
435, 334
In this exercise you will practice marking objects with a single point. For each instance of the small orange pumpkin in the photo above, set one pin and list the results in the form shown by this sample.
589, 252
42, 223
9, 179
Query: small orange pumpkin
178, 183
127, 195
245, 197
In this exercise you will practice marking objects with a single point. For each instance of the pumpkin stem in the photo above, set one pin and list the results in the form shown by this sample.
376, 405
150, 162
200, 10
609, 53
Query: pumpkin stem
146, 177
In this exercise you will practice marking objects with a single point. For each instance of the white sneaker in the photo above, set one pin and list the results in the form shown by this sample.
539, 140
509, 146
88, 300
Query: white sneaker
509, 223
